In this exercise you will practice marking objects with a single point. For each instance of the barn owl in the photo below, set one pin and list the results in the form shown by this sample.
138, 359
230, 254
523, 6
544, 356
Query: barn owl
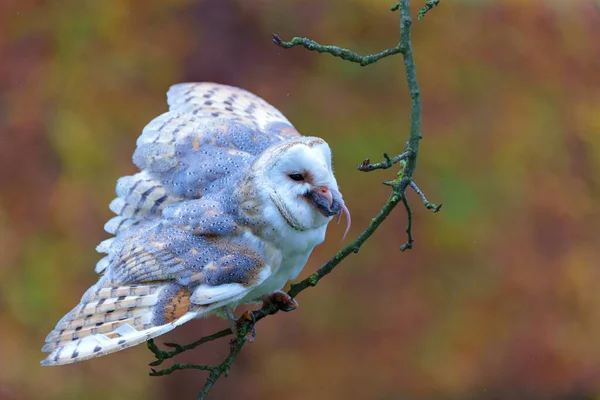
227, 207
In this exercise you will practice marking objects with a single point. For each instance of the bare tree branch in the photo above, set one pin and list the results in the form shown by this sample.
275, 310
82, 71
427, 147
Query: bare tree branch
336, 51
426, 203
428, 6
366, 166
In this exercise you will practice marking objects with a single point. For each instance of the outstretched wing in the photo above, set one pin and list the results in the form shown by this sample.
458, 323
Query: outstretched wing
207, 140
162, 277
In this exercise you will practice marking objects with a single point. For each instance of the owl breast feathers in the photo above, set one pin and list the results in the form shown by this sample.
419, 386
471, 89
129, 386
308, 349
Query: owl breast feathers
228, 205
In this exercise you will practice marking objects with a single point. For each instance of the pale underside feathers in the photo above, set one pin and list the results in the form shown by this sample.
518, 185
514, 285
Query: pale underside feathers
179, 249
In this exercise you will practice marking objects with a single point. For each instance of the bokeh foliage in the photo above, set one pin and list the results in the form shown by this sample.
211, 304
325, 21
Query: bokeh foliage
498, 299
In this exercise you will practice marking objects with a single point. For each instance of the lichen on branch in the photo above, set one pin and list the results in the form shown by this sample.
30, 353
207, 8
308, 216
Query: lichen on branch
428, 6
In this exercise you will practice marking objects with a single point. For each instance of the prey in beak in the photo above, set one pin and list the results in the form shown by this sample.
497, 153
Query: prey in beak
329, 203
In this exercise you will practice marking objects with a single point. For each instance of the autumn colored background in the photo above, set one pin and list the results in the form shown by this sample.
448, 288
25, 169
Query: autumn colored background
500, 297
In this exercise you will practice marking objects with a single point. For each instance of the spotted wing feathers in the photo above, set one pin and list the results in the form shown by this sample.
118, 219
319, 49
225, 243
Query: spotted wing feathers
212, 100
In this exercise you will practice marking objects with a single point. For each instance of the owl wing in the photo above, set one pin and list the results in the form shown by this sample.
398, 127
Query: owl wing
209, 116
211, 134
194, 262
213, 100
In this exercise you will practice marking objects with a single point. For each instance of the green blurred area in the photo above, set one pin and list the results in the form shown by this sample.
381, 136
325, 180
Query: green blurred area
499, 299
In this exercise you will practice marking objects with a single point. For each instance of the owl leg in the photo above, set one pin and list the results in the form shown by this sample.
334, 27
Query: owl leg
234, 323
285, 301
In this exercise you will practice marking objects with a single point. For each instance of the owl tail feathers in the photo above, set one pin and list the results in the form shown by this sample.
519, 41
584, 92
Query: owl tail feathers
111, 318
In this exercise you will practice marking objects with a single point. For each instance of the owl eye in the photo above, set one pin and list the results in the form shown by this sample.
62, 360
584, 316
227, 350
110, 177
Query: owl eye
296, 177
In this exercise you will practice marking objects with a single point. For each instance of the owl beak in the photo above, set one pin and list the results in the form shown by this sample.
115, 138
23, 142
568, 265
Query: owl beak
325, 192
328, 202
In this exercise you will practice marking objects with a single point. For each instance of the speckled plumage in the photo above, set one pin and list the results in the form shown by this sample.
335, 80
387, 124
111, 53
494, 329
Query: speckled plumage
213, 219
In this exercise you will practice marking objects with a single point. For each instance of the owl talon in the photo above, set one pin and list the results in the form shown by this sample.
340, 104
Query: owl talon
250, 336
234, 324
247, 316
285, 301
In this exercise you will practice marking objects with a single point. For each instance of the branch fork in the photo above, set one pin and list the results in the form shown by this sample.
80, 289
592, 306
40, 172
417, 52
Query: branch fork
399, 185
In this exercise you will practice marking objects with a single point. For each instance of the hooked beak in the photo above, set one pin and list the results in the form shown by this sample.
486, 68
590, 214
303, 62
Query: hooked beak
329, 203
325, 200
325, 192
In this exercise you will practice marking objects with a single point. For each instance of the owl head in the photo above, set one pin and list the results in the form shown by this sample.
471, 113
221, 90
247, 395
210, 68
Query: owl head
297, 180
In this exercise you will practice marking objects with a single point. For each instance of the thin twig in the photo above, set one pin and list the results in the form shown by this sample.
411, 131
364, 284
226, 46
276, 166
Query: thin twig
366, 166
428, 205
176, 367
162, 355
336, 51
428, 6
409, 243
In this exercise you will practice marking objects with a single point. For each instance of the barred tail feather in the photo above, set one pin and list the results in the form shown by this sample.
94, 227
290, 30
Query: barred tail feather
113, 318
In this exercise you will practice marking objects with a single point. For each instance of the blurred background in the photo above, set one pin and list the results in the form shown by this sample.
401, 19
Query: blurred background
499, 299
